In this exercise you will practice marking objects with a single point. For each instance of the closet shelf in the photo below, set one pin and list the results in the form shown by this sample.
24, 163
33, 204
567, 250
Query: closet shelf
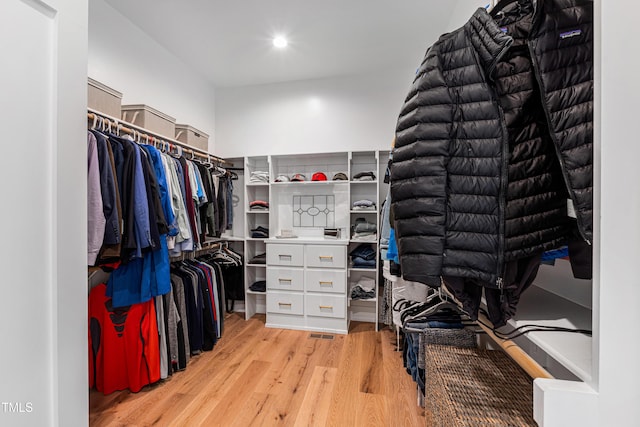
363, 300
254, 239
257, 184
339, 182
257, 212
362, 269
257, 265
250, 292
374, 242
572, 350
363, 182
363, 211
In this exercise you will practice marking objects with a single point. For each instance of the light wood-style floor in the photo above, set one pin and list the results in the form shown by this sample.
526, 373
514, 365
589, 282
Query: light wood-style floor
257, 376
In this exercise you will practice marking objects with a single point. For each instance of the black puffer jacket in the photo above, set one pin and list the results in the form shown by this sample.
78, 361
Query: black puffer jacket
493, 138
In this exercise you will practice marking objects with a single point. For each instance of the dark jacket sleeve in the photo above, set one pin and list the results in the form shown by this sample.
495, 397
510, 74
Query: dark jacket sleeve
108, 187
419, 172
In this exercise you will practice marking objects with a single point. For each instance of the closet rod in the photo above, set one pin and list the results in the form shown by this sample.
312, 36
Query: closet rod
519, 356
131, 129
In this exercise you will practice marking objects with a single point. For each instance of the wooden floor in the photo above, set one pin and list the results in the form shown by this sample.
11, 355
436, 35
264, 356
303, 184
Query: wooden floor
257, 376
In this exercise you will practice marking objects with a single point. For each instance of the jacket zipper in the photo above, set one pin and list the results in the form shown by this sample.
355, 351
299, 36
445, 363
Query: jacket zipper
504, 172
502, 194
565, 174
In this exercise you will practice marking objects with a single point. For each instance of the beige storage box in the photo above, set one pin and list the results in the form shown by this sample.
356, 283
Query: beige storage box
150, 119
192, 136
104, 99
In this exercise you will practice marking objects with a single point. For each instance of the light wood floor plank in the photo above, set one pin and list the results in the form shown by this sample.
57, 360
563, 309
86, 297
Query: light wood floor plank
345, 392
371, 366
317, 399
289, 383
257, 376
372, 410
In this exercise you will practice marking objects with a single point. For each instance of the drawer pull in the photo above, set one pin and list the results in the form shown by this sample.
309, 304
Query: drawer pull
324, 283
285, 257
326, 307
285, 280
329, 257
284, 304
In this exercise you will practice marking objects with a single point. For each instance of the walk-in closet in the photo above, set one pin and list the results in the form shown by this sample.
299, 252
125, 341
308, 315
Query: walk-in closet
359, 213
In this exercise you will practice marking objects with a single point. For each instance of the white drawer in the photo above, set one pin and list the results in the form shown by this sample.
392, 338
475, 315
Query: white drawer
326, 256
322, 280
326, 306
285, 303
284, 255
285, 278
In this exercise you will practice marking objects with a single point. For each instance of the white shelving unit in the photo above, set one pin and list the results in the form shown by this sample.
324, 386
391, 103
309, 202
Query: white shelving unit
255, 302
366, 310
280, 215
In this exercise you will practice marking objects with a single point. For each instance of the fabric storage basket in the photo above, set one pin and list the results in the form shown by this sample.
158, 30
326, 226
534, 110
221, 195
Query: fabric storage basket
440, 336
192, 136
150, 119
469, 387
104, 99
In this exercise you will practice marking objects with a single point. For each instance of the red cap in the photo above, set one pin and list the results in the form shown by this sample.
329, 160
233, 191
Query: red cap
319, 176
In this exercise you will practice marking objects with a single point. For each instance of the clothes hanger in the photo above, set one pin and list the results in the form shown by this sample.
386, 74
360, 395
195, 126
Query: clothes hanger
441, 304
499, 6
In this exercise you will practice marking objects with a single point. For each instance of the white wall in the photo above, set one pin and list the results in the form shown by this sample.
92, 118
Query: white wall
323, 115
43, 309
125, 58
618, 343
463, 11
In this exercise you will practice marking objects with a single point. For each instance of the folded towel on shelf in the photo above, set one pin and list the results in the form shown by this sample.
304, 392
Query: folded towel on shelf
259, 177
364, 237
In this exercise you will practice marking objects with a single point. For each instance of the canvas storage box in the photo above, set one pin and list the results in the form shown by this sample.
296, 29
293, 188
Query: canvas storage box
150, 119
470, 387
104, 99
192, 136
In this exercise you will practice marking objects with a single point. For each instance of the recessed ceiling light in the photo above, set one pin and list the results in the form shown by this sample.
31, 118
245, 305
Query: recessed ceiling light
280, 42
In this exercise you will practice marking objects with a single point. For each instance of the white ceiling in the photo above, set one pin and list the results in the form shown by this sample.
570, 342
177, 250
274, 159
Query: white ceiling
229, 42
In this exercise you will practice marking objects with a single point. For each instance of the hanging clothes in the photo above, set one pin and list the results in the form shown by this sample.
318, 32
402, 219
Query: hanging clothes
486, 159
112, 208
95, 212
124, 352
